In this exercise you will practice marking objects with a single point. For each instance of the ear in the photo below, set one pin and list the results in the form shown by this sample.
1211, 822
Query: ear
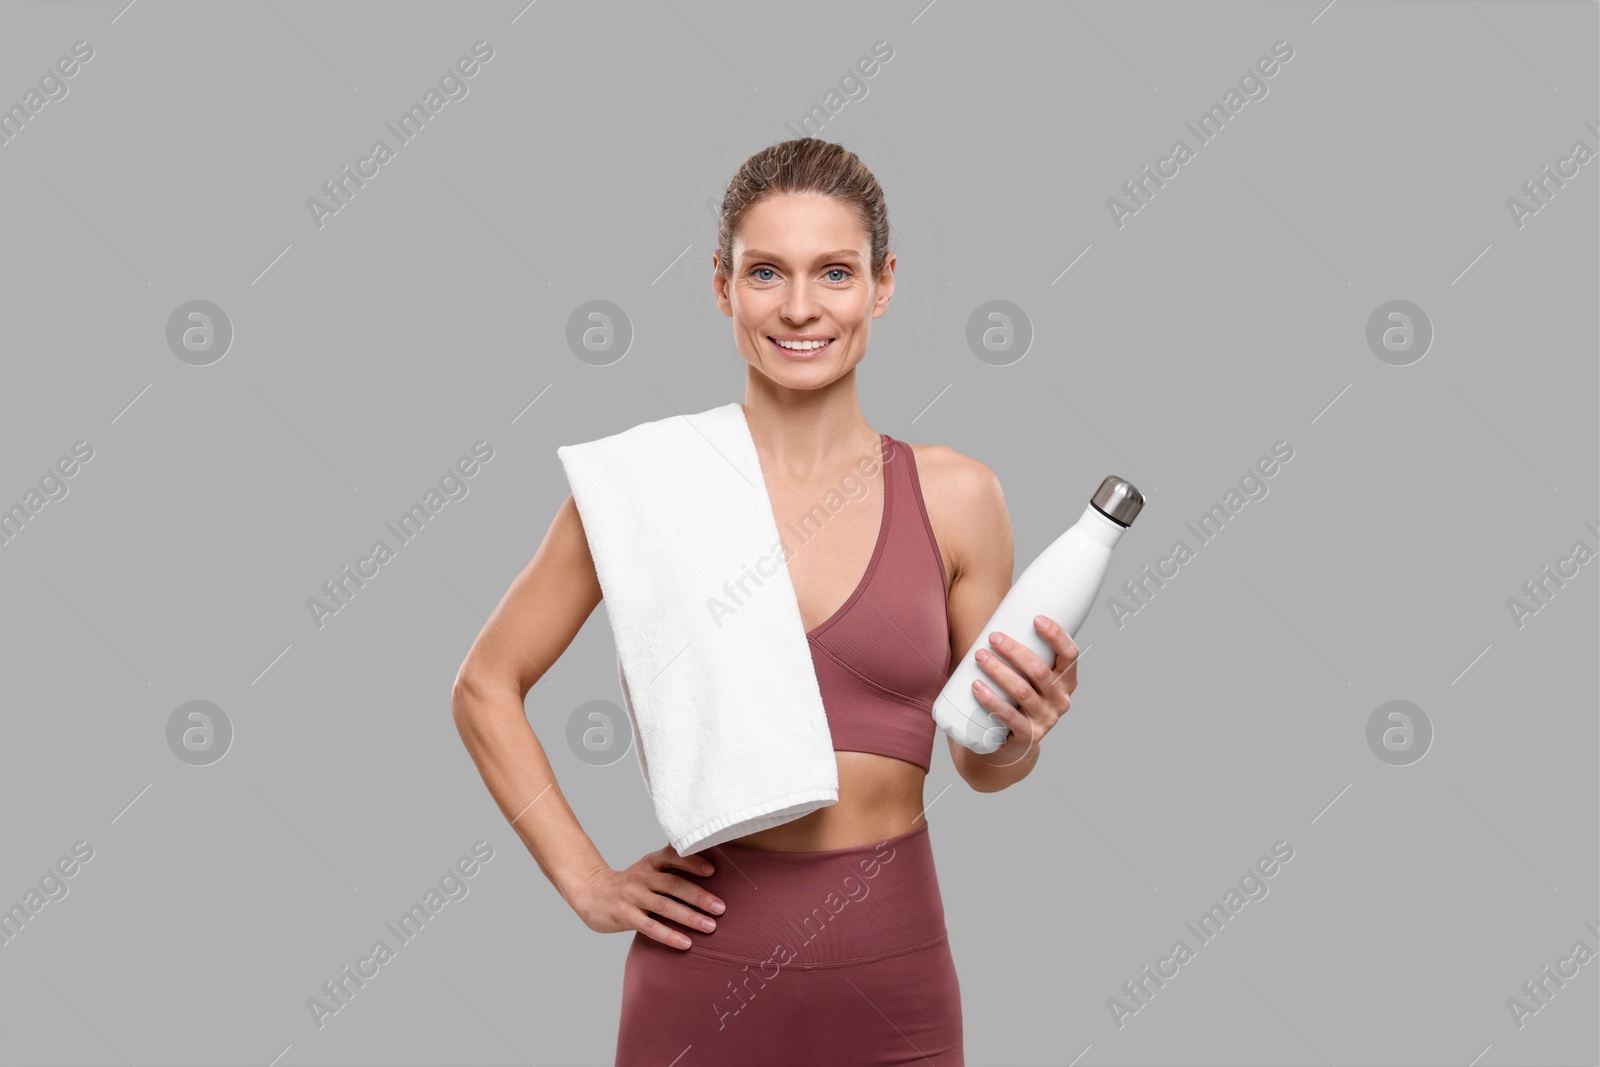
885, 286
719, 284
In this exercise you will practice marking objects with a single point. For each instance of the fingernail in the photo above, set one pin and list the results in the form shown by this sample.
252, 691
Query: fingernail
982, 657
707, 925
718, 906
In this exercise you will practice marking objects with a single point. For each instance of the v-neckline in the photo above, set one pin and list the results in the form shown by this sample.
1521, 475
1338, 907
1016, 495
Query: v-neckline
877, 550
886, 442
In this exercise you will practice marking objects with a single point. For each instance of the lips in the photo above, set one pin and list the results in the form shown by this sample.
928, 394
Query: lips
800, 354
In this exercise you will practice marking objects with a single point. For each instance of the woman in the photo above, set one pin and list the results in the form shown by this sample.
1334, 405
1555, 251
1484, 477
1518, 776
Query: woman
820, 940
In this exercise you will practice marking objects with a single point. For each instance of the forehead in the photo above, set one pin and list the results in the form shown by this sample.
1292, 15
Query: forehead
800, 225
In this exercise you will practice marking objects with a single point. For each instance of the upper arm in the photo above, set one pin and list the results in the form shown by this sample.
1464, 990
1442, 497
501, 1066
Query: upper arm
982, 550
979, 527
540, 614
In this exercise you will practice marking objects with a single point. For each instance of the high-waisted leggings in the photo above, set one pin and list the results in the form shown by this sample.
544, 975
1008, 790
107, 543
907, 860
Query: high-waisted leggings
831, 957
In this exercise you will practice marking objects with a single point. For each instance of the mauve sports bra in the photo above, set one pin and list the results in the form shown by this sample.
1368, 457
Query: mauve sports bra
883, 657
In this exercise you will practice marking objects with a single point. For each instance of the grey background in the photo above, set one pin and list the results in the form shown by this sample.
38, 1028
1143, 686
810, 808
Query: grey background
369, 355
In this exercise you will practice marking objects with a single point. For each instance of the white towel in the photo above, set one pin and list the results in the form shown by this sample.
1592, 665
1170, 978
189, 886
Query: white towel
712, 657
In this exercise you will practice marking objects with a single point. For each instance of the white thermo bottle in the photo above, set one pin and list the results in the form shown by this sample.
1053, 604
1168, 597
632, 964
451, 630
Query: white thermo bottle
1060, 584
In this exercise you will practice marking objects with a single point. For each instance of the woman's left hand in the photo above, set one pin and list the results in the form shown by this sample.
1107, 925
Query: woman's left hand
1043, 691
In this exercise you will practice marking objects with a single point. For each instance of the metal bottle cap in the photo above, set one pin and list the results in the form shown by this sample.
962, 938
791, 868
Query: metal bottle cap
1118, 500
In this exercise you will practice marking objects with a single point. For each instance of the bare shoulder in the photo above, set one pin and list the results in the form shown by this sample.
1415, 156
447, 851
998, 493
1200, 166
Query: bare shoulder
966, 506
955, 477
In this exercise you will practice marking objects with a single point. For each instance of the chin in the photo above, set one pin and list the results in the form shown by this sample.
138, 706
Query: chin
802, 379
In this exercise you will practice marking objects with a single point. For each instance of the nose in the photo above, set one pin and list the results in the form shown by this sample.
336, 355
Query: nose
798, 304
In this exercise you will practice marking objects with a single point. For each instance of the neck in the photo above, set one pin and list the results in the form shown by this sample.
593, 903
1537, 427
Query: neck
803, 433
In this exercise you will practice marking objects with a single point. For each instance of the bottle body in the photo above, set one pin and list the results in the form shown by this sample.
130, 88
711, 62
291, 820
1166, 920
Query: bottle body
1061, 583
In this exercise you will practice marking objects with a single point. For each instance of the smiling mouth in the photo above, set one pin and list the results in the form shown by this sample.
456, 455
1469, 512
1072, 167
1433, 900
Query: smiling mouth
802, 349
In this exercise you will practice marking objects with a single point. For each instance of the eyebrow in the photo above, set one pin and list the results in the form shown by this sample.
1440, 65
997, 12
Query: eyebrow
837, 253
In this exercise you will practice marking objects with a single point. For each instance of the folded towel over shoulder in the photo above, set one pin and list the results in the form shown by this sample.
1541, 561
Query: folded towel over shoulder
712, 656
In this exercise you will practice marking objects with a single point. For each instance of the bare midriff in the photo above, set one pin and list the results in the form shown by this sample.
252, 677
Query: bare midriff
879, 797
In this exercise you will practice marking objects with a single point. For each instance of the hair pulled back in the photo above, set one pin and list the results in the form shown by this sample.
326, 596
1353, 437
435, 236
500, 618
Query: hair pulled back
805, 165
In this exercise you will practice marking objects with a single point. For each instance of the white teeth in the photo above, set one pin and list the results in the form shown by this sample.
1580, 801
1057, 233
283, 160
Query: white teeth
801, 346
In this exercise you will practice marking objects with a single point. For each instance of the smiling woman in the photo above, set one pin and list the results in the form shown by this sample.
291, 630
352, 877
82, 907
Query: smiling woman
802, 268
884, 594
807, 226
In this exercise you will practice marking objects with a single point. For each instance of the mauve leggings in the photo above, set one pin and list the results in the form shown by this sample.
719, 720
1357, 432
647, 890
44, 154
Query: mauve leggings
838, 957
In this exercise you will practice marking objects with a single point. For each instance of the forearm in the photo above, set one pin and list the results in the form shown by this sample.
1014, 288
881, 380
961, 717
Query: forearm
514, 767
997, 770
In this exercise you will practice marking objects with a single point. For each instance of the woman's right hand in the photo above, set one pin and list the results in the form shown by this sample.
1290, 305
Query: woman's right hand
614, 901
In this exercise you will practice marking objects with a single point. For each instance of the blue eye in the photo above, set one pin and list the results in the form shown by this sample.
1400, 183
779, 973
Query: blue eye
838, 270
758, 270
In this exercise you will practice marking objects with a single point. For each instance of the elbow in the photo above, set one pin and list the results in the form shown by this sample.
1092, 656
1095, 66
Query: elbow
478, 695
466, 698
471, 709
979, 785
974, 778
981, 775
